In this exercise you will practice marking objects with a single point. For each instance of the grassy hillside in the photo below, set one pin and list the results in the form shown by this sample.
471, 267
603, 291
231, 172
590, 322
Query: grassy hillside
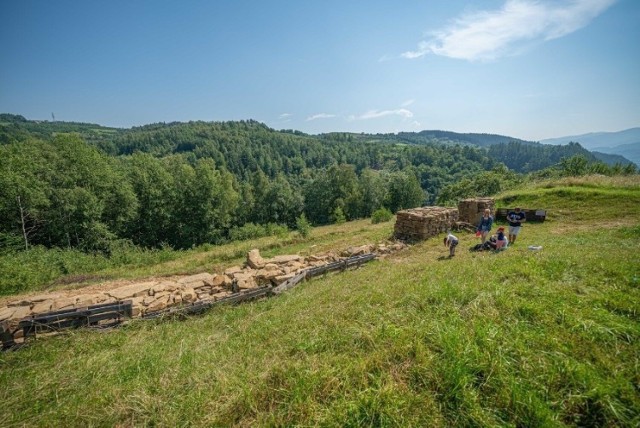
516, 338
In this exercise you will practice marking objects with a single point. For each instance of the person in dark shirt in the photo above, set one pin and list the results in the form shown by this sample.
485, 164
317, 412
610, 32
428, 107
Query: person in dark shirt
515, 219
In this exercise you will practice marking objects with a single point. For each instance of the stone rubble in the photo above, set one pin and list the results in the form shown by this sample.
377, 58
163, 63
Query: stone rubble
156, 295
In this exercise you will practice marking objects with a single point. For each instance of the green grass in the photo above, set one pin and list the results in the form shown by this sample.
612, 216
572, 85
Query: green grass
41, 270
515, 338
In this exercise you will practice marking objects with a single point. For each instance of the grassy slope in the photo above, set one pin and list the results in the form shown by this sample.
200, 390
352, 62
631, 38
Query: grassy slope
517, 338
41, 270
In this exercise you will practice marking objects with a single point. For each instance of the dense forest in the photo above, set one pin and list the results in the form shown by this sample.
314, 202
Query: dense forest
85, 186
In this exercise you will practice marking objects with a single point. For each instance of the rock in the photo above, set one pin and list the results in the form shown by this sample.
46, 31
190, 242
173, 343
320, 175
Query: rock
221, 295
247, 283
64, 303
43, 297
132, 290
106, 300
232, 270
203, 296
357, 251
202, 278
227, 281
188, 295
7, 313
218, 281
165, 286
137, 307
243, 275
89, 299
268, 274
294, 265
203, 290
176, 298
282, 278
42, 307
159, 304
23, 302
285, 259
21, 312
254, 259
147, 300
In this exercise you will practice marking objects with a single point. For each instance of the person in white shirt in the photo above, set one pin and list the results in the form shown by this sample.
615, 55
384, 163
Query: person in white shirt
452, 242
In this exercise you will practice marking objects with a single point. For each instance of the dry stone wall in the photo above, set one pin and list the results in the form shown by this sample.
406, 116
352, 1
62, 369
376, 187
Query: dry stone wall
156, 295
417, 224
471, 209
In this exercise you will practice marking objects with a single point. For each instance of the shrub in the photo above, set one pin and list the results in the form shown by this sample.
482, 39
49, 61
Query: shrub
253, 231
303, 226
381, 215
338, 216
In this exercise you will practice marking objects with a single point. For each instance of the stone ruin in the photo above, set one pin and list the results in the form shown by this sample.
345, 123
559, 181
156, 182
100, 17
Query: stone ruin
470, 210
153, 296
417, 224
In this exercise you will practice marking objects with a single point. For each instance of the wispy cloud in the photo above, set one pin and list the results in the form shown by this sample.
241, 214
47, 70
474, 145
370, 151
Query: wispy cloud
285, 116
488, 35
320, 116
407, 103
375, 114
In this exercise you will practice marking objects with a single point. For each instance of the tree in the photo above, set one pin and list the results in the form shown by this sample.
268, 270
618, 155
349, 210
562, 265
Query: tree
373, 191
404, 191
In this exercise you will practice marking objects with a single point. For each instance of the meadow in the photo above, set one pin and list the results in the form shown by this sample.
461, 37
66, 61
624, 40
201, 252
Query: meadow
514, 338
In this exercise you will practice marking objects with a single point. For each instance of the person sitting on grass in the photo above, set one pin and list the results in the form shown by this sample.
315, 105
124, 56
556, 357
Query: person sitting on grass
451, 241
501, 240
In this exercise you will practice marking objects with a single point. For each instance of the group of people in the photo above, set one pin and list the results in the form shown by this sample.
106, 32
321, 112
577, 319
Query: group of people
497, 241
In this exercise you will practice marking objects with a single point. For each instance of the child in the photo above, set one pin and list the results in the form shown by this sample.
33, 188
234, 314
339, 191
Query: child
451, 242
501, 239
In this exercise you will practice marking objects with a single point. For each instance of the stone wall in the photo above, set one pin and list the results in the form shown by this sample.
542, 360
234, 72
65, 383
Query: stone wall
155, 295
471, 209
417, 224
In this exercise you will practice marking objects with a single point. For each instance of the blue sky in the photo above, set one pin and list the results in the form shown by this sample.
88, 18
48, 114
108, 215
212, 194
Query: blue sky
530, 69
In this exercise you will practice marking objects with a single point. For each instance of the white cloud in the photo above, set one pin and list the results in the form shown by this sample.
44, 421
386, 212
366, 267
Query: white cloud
320, 116
407, 103
374, 114
488, 35
285, 116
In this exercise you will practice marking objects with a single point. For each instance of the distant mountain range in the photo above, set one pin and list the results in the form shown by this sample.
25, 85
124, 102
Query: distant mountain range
624, 143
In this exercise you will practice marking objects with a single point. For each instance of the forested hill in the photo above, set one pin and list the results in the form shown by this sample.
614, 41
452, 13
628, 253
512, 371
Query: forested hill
519, 155
185, 184
447, 137
182, 184
15, 128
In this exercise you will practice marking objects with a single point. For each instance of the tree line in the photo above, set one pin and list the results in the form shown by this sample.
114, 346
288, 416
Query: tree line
185, 184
